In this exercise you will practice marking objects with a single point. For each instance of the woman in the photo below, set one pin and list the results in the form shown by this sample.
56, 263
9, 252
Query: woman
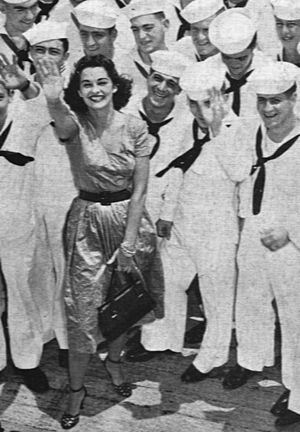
109, 153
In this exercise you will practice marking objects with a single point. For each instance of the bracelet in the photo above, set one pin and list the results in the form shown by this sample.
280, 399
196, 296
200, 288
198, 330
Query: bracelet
25, 86
127, 249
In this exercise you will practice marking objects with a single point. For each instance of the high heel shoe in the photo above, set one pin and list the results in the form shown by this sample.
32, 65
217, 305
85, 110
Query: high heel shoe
124, 389
68, 420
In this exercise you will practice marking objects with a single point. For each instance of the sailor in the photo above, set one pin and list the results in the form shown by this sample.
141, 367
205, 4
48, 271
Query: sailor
207, 212
98, 32
17, 246
149, 25
169, 121
199, 14
260, 11
205, 217
234, 34
54, 187
20, 16
287, 19
268, 256
46, 40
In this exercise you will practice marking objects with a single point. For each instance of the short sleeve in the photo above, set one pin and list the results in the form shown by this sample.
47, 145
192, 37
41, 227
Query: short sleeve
142, 140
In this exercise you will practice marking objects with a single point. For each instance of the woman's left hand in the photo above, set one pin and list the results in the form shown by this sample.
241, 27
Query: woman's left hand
125, 263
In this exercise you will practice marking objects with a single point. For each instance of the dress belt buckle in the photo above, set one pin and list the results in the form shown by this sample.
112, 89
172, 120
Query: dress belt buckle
105, 201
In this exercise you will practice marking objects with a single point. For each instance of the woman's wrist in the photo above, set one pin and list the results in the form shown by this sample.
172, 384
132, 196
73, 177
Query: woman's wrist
128, 249
54, 102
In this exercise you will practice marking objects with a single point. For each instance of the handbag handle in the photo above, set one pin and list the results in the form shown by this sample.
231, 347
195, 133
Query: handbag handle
111, 261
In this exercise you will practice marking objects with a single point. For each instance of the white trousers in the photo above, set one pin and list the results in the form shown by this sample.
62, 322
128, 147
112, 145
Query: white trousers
217, 291
263, 276
294, 399
49, 271
24, 320
179, 271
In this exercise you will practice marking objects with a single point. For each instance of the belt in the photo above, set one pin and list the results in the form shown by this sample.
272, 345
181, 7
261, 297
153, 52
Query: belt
105, 197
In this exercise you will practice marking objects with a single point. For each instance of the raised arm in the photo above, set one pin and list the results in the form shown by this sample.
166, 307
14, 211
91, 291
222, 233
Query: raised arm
14, 78
52, 83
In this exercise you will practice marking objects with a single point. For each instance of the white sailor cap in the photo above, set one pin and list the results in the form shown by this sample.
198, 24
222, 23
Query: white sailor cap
138, 8
274, 78
232, 31
169, 63
199, 10
45, 31
288, 10
90, 13
201, 77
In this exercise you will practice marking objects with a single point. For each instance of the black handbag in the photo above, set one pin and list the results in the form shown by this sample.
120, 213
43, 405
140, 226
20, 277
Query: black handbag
128, 302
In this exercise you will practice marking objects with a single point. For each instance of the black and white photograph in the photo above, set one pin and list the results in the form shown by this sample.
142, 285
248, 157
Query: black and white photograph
150, 215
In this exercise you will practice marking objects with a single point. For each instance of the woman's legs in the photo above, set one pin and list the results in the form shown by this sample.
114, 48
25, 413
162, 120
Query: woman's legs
78, 363
114, 354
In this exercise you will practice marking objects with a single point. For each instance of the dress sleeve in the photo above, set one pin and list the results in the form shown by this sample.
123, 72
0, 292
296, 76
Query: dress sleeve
143, 142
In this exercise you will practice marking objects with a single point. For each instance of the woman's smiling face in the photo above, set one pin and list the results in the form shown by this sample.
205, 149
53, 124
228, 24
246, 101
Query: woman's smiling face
96, 88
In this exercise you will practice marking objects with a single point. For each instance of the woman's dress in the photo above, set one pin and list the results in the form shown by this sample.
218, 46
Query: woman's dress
95, 231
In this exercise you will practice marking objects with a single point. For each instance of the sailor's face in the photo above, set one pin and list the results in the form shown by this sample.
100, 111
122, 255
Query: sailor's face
97, 41
199, 35
197, 108
21, 17
52, 49
275, 110
288, 32
162, 89
238, 64
149, 32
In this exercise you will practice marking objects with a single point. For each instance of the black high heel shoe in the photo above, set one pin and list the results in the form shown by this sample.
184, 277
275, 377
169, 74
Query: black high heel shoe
124, 389
68, 420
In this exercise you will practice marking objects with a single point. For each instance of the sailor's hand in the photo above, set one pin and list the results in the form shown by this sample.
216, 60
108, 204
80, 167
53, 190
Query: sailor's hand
274, 238
50, 78
164, 228
214, 110
11, 74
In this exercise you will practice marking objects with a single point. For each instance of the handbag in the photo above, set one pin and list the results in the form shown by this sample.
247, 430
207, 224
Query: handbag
127, 303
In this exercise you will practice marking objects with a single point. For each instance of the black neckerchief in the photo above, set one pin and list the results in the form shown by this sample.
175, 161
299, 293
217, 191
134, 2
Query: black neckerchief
184, 25
45, 9
141, 69
235, 86
259, 184
120, 4
186, 160
22, 54
153, 129
12, 157
242, 4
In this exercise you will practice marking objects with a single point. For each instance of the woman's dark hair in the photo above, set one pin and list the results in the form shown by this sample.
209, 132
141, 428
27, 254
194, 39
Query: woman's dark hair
123, 84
